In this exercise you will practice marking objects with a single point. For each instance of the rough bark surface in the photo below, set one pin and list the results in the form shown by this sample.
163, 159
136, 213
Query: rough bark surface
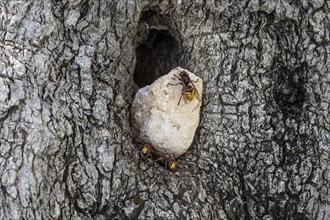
66, 84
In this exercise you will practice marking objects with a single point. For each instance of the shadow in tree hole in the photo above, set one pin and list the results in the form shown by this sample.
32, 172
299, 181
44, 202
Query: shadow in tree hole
157, 49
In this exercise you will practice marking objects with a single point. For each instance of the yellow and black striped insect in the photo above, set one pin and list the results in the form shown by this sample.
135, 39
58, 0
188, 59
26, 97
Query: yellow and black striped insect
167, 161
146, 151
189, 90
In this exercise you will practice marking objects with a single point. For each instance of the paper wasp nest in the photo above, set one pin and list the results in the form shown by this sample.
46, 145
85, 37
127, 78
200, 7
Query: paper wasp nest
157, 118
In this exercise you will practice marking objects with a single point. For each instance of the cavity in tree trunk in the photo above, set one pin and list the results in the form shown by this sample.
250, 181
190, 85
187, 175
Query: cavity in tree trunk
69, 71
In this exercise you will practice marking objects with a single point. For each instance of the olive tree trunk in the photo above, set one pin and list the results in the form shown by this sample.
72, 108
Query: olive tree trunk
68, 74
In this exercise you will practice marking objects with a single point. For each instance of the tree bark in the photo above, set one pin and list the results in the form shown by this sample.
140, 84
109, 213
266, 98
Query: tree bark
67, 82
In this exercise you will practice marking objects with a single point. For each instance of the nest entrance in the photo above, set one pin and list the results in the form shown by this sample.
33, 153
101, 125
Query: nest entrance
157, 49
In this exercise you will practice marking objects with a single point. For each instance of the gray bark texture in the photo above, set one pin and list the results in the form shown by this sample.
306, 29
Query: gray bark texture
67, 72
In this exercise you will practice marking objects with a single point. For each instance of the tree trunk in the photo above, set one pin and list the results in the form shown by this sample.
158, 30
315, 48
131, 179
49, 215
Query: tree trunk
68, 75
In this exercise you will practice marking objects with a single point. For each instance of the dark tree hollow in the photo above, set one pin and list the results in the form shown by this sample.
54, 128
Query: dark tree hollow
156, 57
157, 52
